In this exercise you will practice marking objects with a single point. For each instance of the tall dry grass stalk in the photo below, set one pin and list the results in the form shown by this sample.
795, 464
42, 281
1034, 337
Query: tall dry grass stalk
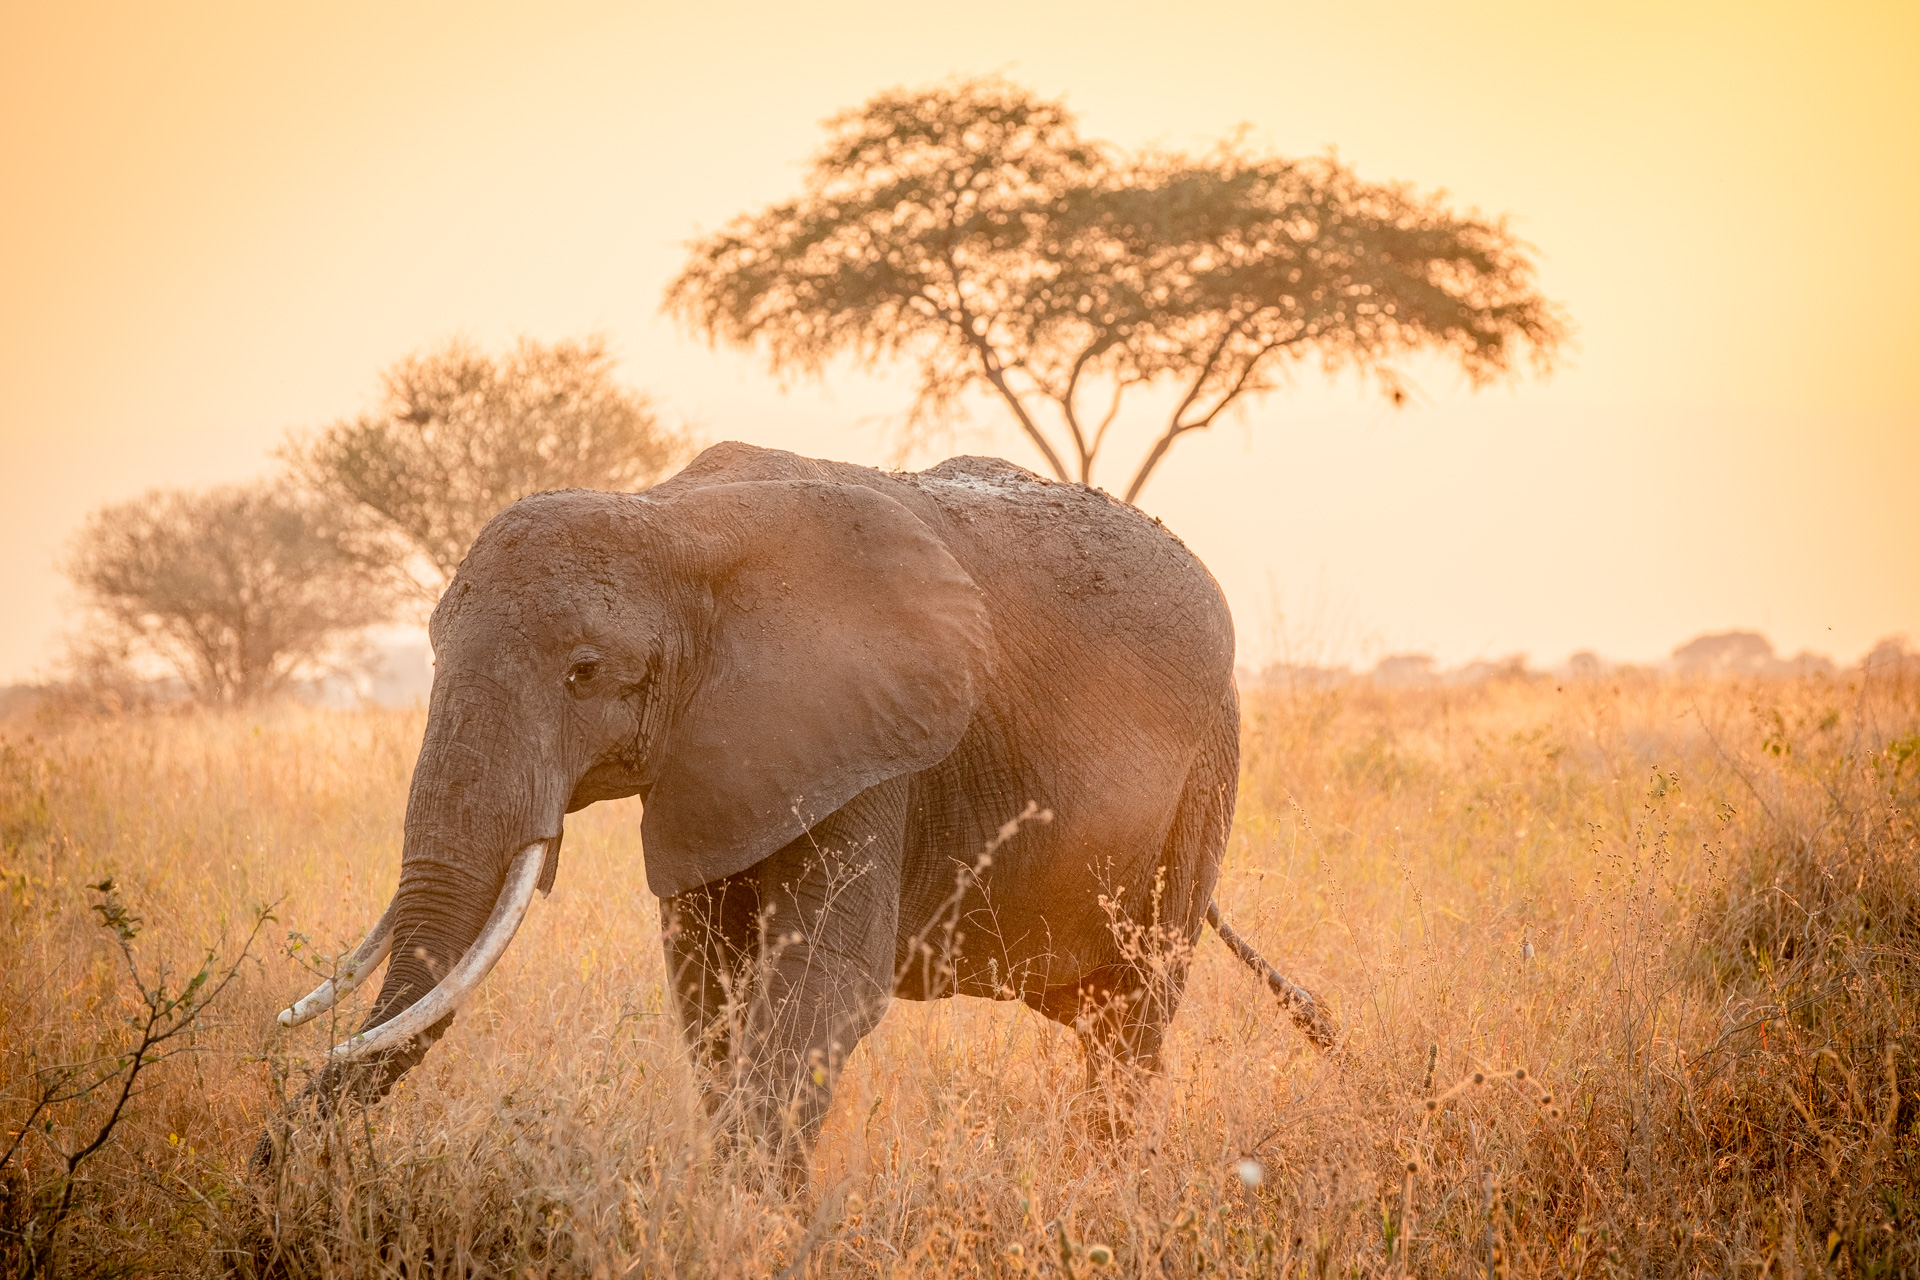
1629, 973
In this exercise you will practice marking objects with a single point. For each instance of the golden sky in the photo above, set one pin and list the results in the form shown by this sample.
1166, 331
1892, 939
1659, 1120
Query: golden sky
218, 221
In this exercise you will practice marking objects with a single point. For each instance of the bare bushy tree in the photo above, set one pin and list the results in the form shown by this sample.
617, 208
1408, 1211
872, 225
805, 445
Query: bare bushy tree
970, 229
238, 589
98, 1091
458, 434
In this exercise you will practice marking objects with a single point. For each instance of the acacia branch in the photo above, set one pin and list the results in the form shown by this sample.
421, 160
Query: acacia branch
1073, 419
989, 363
1240, 383
1200, 378
1177, 428
1152, 460
1120, 385
991, 368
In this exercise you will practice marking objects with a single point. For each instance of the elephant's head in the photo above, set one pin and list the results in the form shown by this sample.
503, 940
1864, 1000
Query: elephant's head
746, 657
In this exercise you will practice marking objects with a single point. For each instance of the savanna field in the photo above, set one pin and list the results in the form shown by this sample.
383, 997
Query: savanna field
1628, 968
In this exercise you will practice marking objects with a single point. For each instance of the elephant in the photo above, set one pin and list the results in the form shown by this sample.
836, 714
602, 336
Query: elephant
964, 731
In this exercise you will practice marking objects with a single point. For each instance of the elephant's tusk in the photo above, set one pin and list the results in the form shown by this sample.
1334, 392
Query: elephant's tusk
352, 972
523, 875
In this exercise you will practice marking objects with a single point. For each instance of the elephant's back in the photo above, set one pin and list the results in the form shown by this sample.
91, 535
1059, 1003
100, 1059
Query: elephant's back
1071, 568
1066, 568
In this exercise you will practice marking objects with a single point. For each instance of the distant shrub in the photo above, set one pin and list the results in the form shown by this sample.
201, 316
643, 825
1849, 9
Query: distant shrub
459, 434
235, 591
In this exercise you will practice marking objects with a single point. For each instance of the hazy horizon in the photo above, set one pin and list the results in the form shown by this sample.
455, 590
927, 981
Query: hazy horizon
225, 223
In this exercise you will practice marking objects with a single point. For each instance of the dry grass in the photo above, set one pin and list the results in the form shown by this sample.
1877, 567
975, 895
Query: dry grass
1690, 913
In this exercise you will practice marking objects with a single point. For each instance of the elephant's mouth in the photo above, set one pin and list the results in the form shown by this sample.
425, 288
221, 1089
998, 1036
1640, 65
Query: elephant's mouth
447, 995
607, 782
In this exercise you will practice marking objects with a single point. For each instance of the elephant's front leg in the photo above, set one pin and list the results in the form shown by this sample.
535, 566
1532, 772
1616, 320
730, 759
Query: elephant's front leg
829, 906
709, 935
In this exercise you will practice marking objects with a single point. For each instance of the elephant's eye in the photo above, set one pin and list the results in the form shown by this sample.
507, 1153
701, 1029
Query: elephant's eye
581, 674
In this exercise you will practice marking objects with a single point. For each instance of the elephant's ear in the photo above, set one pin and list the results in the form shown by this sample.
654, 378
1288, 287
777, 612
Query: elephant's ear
846, 647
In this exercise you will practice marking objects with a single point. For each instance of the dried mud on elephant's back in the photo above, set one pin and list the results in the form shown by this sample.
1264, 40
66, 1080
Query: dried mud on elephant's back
1687, 910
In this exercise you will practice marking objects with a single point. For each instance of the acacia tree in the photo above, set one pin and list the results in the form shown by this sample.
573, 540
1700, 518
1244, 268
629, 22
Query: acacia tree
238, 589
970, 229
458, 434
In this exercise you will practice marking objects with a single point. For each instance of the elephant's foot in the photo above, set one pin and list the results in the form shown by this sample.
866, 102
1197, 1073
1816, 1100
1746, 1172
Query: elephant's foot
777, 1161
1120, 1022
1111, 1100
784, 1124
766, 1134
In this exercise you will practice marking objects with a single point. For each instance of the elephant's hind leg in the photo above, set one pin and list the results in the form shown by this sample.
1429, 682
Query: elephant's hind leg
1121, 1011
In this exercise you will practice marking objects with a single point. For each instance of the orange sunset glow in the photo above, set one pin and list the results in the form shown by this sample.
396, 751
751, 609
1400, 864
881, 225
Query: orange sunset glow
222, 222
1220, 639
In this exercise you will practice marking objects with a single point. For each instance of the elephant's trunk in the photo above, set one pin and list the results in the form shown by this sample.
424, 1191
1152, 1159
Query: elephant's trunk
484, 809
428, 1014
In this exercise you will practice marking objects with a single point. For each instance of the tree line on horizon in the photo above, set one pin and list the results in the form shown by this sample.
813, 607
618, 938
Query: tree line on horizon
1711, 655
967, 229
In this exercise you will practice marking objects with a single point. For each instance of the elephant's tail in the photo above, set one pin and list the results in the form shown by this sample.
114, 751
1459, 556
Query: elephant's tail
1308, 1013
